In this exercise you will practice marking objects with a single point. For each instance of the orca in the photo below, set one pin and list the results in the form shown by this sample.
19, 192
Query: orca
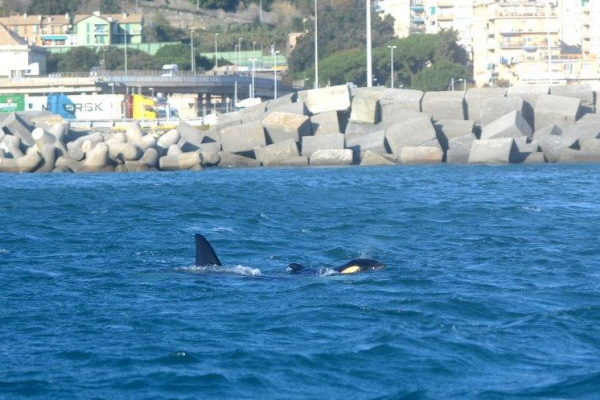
206, 256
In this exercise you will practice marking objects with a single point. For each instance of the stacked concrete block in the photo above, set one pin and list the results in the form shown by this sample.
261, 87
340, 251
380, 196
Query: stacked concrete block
355, 129
421, 155
255, 113
511, 125
582, 92
370, 158
243, 139
280, 126
494, 108
298, 108
475, 98
401, 99
325, 123
494, 151
277, 153
230, 160
530, 95
372, 142
335, 98
444, 105
586, 128
15, 125
413, 133
459, 149
365, 107
310, 144
331, 157
283, 101
589, 152
556, 110
550, 130
447, 129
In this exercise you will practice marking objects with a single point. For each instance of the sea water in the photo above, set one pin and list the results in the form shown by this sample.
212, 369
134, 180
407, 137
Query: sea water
491, 291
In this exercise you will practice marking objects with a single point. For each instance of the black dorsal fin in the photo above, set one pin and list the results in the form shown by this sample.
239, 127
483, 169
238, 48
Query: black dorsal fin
205, 255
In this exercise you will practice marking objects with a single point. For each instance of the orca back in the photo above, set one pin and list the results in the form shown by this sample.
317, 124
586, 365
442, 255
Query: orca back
205, 254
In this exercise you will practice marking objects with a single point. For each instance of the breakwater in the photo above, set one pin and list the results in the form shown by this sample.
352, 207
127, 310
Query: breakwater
330, 126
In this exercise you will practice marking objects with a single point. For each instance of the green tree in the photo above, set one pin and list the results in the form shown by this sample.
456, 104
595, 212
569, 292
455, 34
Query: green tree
110, 7
438, 76
160, 30
53, 7
136, 59
78, 59
181, 55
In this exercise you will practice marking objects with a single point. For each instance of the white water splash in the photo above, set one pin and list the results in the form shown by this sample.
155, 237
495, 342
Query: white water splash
235, 270
327, 272
4, 251
222, 229
532, 209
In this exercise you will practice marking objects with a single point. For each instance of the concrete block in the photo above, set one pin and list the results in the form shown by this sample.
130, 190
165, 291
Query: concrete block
97, 160
48, 153
14, 125
281, 126
556, 110
586, 128
530, 95
310, 144
179, 162
243, 138
40, 119
354, 129
526, 146
475, 98
325, 123
25, 164
494, 151
365, 107
401, 99
280, 102
134, 133
533, 158
230, 160
550, 130
413, 133
444, 105
64, 162
168, 139
335, 98
12, 146
578, 156
211, 147
582, 92
494, 108
459, 149
300, 161
447, 129
421, 155
255, 113
511, 125
372, 142
190, 133
331, 157
370, 158
553, 146
276, 153
298, 108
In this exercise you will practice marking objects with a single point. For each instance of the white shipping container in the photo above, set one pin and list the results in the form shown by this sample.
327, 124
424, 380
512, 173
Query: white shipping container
94, 107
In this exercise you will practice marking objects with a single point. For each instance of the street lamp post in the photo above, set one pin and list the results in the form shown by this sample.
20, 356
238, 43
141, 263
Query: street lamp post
216, 51
125, 51
392, 65
239, 51
253, 60
369, 50
275, 76
316, 47
193, 60
254, 46
548, 5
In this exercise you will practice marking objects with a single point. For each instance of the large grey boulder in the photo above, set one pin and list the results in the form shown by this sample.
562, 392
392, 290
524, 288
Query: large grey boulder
556, 110
550, 130
421, 155
444, 105
298, 108
588, 153
277, 153
494, 108
325, 123
365, 107
334, 98
283, 101
254, 113
331, 157
373, 142
475, 98
585, 128
447, 129
530, 95
310, 144
230, 160
354, 129
511, 125
459, 149
281, 126
243, 138
370, 158
412, 133
401, 99
582, 92
494, 151
553, 146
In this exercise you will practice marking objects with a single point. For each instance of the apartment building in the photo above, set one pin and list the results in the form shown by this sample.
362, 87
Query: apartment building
451, 14
400, 10
105, 29
41, 30
19, 57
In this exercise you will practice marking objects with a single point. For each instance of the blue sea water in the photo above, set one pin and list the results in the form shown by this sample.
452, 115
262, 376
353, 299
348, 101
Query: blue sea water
491, 289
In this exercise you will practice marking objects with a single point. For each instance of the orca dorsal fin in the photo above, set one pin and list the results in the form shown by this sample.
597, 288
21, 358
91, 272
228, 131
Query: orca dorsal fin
295, 268
205, 255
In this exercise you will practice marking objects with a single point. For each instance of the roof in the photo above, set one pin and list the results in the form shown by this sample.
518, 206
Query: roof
9, 38
25, 19
118, 18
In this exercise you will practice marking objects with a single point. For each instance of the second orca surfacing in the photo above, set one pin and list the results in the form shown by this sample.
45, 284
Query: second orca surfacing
206, 256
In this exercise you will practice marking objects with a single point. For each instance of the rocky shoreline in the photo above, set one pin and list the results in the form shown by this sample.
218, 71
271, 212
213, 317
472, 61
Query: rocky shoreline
330, 126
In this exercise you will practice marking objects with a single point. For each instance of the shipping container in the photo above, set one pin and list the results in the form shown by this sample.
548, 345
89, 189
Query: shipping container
95, 107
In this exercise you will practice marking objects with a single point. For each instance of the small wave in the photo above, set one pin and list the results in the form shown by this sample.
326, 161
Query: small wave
531, 209
236, 270
222, 229
4, 251
327, 272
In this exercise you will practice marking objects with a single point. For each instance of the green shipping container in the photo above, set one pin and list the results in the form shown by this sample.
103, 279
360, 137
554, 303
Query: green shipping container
12, 102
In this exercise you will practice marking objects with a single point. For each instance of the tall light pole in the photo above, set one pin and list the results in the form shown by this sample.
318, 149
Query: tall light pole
316, 47
253, 60
193, 60
260, 11
239, 51
125, 38
275, 76
216, 51
392, 65
548, 5
369, 55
